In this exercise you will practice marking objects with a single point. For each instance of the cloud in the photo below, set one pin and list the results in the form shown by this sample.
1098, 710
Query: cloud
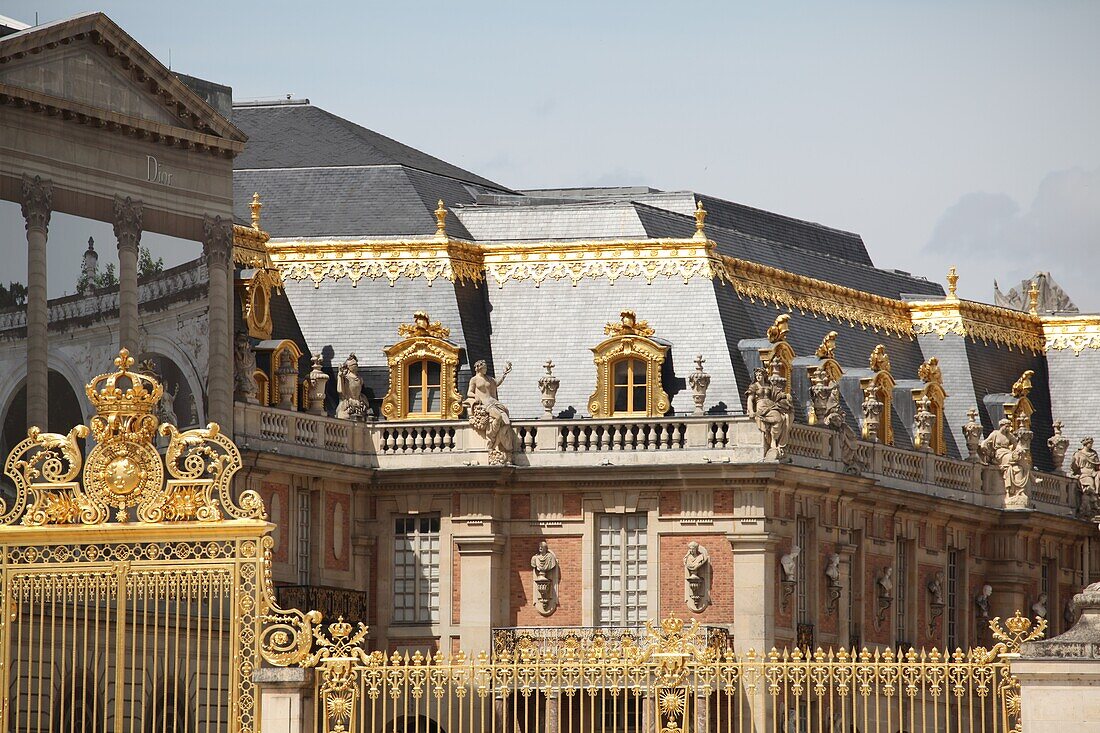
990, 236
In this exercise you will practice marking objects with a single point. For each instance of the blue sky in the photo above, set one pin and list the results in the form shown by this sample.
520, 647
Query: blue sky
943, 132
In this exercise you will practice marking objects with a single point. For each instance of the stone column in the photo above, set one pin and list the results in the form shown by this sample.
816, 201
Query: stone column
37, 206
217, 244
128, 215
286, 699
480, 558
755, 567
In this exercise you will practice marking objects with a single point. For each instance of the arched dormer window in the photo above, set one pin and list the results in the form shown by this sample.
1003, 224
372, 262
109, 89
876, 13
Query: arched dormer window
291, 350
628, 371
422, 373
262, 391
929, 373
881, 384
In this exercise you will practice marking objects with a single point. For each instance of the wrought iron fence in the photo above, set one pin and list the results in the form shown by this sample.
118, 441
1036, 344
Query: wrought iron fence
666, 680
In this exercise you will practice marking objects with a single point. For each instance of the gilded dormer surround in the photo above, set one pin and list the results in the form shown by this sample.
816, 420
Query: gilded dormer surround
881, 384
423, 367
929, 373
628, 371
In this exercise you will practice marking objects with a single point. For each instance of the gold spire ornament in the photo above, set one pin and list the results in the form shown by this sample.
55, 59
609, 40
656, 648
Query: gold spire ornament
952, 283
1033, 298
880, 360
421, 326
1022, 386
255, 206
700, 218
827, 349
628, 325
778, 331
929, 372
441, 221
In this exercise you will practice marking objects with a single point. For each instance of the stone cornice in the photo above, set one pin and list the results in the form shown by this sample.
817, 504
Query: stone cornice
250, 247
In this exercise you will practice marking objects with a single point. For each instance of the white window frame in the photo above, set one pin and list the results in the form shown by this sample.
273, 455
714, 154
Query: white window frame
416, 568
622, 592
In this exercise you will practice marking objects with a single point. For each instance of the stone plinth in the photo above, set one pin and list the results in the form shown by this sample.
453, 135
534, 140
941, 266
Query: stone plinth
286, 699
1060, 677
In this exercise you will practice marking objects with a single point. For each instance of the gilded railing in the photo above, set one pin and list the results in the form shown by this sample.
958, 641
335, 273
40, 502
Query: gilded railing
665, 679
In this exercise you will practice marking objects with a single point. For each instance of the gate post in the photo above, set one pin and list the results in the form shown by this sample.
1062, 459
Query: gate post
286, 699
1059, 676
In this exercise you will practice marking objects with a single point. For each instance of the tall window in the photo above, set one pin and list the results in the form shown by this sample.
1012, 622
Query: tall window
623, 566
952, 600
424, 386
901, 592
1048, 586
416, 569
803, 574
304, 522
855, 572
630, 386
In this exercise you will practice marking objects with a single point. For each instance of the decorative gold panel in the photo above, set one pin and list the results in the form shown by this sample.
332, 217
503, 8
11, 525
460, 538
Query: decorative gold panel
629, 339
779, 351
929, 373
882, 381
255, 294
1072, 332
424, 341
275, 395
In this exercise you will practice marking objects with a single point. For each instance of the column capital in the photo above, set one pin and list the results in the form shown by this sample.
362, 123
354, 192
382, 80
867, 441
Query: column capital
217, 240
37, 202
128, 216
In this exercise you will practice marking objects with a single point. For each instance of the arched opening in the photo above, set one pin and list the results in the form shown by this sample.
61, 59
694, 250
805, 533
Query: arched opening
629, 386
178, 405
424, 380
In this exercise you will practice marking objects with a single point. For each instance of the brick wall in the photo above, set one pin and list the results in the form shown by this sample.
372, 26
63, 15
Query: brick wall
670, 503
521, 506
277, 500
672, 551
571, 505
521, 609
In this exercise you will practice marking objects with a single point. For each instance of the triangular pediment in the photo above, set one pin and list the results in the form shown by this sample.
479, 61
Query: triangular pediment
91, 63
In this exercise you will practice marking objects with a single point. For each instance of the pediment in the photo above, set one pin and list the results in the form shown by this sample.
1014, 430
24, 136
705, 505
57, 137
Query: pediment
93, 64
83, 73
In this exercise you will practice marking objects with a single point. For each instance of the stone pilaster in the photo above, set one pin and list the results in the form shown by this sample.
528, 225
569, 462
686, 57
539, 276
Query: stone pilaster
481, 558
127, 221
37, 206
217, 244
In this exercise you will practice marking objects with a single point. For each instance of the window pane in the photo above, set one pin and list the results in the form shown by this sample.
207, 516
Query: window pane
639, 370
433, 400
416, 399
621, 404
416, 370
621, 370
434, 368
639, 399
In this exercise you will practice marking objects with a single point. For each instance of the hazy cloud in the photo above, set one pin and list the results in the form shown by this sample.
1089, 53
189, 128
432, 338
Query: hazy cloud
990, 236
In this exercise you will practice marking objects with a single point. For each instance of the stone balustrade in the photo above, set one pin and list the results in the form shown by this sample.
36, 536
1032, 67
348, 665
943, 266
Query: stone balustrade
639, 441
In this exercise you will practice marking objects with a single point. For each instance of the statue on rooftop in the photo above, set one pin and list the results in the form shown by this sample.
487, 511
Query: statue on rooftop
1010, 452
244, 365
349, 387
972, 431
1085, 467
488, 415
769, 404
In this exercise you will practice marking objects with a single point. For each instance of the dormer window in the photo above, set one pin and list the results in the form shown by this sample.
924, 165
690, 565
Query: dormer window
422, 373
628, 371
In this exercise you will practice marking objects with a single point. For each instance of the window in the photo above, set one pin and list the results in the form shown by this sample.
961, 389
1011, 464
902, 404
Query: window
855, 571
630, 386
304, 521
623, 562
416, 569
901, 593
1048, 587
952, 600
803, 574
424, 379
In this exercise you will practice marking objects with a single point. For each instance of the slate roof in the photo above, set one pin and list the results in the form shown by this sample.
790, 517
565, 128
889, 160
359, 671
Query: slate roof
305, 136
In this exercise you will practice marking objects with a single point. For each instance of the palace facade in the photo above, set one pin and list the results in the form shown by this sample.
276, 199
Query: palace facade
477, 413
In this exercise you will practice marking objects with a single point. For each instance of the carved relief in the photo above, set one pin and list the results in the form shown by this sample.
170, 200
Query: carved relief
697, 577
127, 222
788, 564
884, 591
928, 432
37, 202
832, 583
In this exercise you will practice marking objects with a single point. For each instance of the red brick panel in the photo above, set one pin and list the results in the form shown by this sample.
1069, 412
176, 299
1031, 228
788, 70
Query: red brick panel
522, 611
337, 530
277, 500
670, 503
521, 506
571, 505
672, 551
723, 502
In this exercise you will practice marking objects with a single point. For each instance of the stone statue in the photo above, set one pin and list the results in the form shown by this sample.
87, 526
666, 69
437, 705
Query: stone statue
832, 570
166, 408
349, 386
972, 431
547, 575
981, 602
872, 413
1058, 445
935, 589
244, 365
769, 404
488, 415
924, 423
1039, 608
1005, 449
789, 564
1068, 615
886, 583
697, 573
287, 374
1085, 467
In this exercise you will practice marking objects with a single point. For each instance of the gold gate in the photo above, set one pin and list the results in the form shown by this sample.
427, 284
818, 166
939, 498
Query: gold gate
133, 583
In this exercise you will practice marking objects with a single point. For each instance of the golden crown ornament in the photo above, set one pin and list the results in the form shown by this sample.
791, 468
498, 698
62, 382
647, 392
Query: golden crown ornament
125, 476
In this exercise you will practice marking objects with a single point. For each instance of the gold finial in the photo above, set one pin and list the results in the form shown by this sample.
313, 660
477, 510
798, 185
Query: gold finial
880, 360
441, 220
1033, 298
422, 325
952, 283
628, 325
827, 350
700, 217
778, 331
256, 206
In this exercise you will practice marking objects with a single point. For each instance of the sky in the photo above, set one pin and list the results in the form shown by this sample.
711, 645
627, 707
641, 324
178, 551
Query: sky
944, 133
